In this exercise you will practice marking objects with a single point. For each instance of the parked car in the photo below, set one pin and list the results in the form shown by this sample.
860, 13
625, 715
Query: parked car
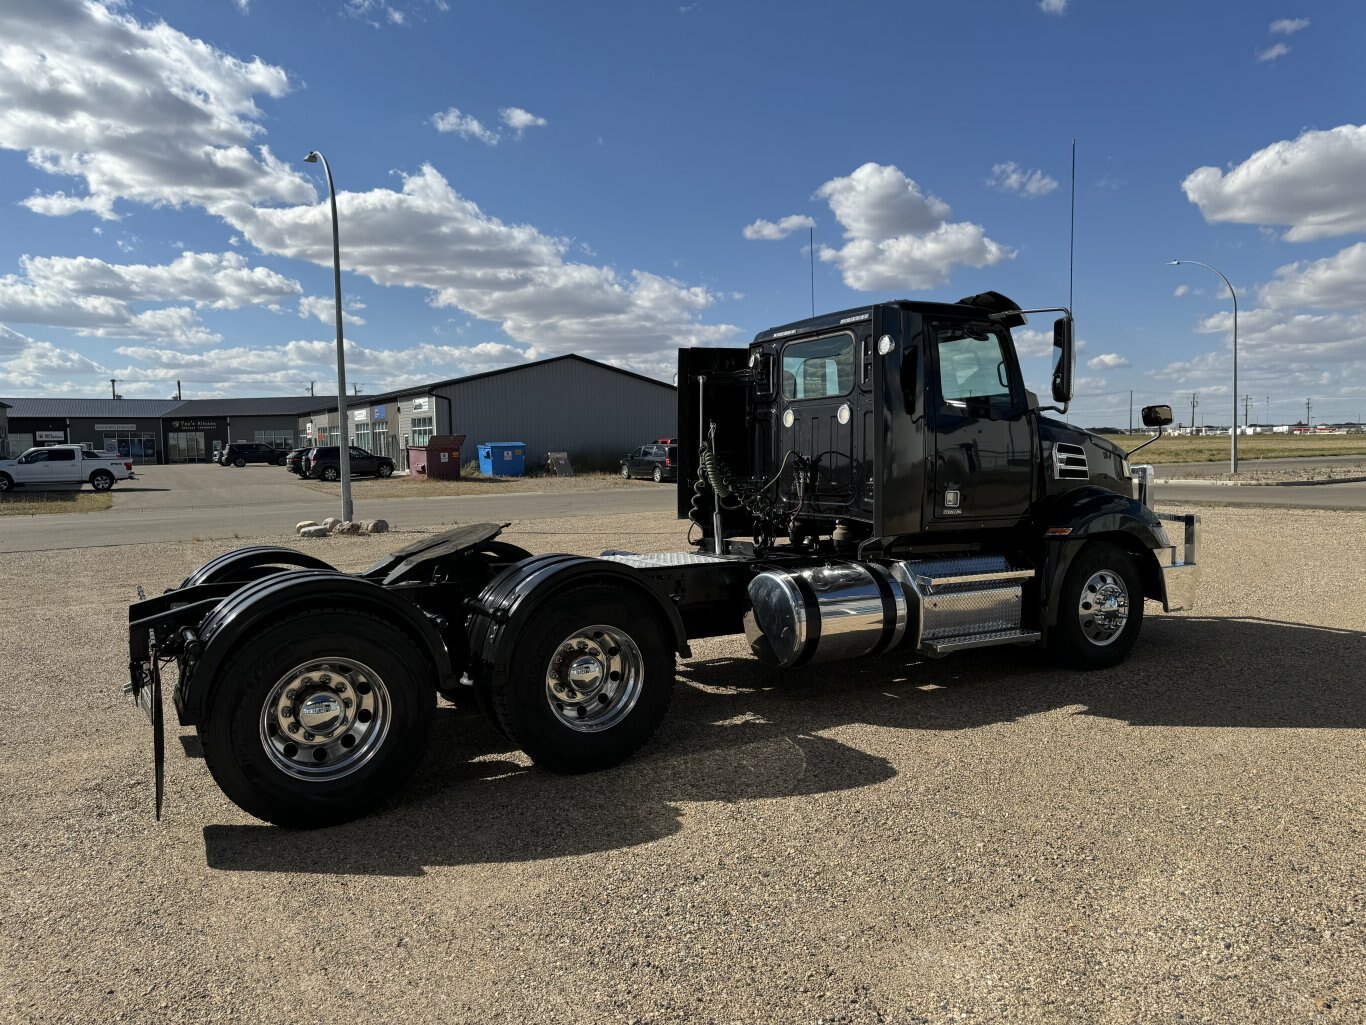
325, 463
294, 462
218, 455
240, 453
64, 464
659, 462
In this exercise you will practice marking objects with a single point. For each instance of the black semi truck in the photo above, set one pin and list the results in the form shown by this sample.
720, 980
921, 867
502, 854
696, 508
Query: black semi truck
869, 481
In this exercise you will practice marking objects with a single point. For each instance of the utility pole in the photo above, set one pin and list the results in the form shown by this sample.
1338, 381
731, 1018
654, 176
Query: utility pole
1131, 411
1247, 405
1195, 401
1268, 409
1307, 407
113, 388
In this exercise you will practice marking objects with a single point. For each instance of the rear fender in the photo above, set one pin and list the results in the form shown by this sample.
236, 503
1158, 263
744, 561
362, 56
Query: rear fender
1094, 514
239, 617
511, 601
250, 563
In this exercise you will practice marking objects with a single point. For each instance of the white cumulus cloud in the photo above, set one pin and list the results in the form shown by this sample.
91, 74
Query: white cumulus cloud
1287, 26
1108, 361
1053, 6
1273, 52
1311, 183
772, 231
520, 120
1334, 282
1011, 177
898, 237
451, 120
134, 112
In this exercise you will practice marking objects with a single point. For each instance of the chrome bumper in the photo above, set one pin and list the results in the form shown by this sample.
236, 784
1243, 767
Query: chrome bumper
1180, 573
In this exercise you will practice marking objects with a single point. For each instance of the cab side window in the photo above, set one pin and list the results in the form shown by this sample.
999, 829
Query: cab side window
62, 455
973, 365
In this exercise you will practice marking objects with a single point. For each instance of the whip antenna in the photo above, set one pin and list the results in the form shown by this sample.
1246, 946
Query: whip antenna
1072, 234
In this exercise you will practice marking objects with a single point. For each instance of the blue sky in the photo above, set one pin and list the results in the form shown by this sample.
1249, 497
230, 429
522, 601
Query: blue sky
523, 179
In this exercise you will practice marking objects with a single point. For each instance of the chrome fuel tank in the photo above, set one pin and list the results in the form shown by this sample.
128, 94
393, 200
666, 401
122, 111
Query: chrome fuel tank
820, 613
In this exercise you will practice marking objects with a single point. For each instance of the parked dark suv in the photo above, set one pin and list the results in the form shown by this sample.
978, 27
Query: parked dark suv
325, 463
659, 462
240, 453
295, 462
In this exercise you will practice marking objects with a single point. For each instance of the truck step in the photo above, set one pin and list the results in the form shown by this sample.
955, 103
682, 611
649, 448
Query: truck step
988, 640
971, 602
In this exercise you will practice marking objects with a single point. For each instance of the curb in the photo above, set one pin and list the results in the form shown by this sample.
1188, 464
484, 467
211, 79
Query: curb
1264, 483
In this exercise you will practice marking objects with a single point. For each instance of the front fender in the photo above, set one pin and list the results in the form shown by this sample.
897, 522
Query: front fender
1075, 518
235, 620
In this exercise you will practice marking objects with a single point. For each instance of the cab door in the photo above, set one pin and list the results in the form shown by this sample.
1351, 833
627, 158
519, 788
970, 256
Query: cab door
983, 442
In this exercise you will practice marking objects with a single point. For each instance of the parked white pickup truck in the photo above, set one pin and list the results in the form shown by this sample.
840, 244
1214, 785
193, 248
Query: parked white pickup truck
64, 464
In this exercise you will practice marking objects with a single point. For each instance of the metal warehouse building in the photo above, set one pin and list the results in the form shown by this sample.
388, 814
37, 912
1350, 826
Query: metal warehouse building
591, 410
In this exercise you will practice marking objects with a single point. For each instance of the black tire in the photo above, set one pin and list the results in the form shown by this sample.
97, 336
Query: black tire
1100, 609
239, 462
330, 473
242, 739
659, 475
620, 724
6, 482
385, 469
101, 480
625, 472
283, 460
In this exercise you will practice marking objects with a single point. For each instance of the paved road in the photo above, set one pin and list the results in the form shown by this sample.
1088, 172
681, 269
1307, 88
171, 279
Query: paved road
1186, 470
185, 503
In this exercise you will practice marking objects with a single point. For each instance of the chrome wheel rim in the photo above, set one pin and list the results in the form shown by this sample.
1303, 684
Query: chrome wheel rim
325, 718
1103, 609
594, 678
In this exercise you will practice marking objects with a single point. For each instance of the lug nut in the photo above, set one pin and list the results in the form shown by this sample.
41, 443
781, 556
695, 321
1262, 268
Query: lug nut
292, 694
326, 677
308, 736
286, 713
293, 727
346, 702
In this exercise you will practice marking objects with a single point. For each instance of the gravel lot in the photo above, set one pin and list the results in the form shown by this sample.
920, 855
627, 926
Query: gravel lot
980, 839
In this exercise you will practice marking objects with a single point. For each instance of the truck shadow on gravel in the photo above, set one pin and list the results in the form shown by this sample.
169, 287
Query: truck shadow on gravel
738, 732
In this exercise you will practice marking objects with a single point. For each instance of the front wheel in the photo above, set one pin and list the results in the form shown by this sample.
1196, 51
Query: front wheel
659, 475
101, 480
239, 462
385, 469
319, 719
6, 482
625, 472
589, 681
1100, 609
330, 473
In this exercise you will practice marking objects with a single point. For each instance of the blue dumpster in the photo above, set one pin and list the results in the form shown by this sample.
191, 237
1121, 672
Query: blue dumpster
502, 459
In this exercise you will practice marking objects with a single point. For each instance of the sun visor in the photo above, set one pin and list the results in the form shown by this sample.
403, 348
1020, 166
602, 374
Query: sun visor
995, 302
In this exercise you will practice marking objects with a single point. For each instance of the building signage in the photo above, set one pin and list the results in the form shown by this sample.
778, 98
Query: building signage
49, 436
308, 427
419, 406
361, 415
116, 427
378, 414
183, 425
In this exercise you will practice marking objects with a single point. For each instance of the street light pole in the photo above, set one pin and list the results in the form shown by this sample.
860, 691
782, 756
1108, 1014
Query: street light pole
343, 435
1233, 424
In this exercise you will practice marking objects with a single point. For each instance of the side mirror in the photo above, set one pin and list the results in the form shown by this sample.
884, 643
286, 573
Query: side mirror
1063, 369
1157, 416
